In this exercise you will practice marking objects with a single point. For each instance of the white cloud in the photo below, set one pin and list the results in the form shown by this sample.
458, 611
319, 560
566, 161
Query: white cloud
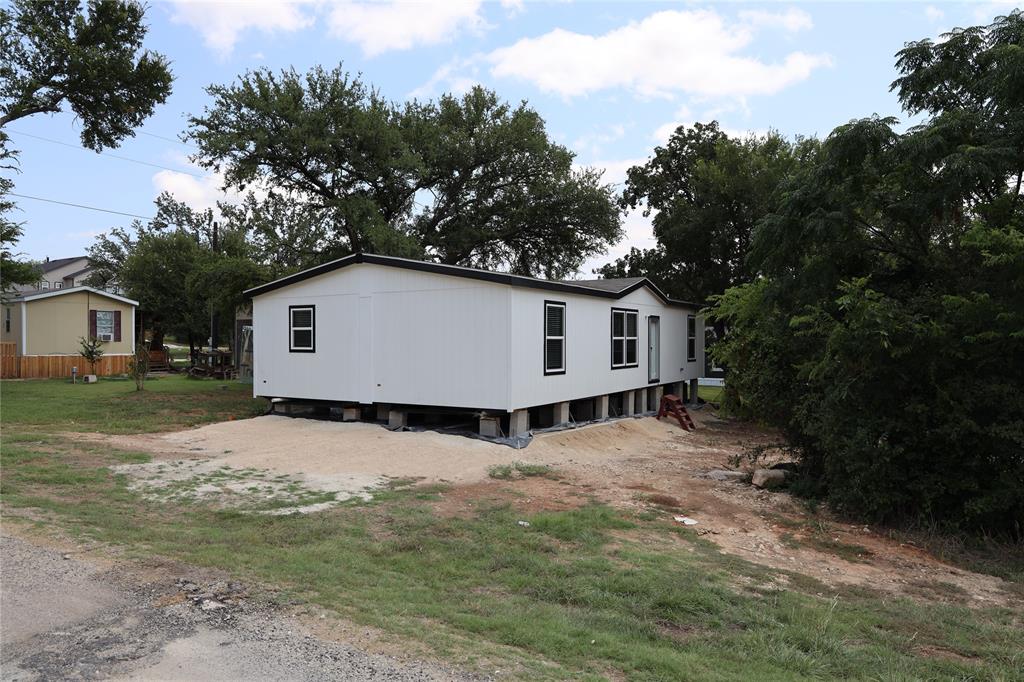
452, 75
639, 232
198, 193
222, 22
379, 27
695, 52
665, 130
933, 13
985, 12
593, 142
512, 7
791, 20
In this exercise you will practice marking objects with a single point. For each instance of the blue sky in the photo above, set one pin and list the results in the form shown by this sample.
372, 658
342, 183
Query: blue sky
611, 80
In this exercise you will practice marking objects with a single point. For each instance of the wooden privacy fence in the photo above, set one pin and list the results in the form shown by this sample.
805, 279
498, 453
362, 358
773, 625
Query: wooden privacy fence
8, 361
43, 366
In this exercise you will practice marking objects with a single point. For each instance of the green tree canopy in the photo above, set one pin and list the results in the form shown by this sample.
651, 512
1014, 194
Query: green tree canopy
886, 335
53, 55
175, 269
469, 180
706, 193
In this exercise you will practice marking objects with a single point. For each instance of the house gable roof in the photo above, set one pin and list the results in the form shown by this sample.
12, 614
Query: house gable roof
76, 273
611, 288
59, 263
28, 296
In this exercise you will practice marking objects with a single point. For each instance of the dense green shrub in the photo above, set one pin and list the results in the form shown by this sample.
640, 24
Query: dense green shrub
885, 334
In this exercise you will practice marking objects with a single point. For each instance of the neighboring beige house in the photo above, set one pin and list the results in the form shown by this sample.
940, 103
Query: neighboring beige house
64, 273
43, 324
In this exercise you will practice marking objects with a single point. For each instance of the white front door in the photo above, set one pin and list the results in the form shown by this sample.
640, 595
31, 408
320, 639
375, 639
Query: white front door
653, 349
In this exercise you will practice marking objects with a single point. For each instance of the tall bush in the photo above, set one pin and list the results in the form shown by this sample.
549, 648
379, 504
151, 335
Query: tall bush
885, 334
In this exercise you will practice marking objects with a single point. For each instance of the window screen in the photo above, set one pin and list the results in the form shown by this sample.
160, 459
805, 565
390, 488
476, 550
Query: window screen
554, 337
104, 323
302, 329
691, 338
624, 338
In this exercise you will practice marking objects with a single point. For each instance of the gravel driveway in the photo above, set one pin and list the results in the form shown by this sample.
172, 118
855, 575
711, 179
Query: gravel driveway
61, 618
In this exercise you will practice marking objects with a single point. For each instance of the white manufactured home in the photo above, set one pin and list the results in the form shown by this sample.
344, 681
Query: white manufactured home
406, 337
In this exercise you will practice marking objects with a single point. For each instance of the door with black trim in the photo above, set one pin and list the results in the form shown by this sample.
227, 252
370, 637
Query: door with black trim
653, 349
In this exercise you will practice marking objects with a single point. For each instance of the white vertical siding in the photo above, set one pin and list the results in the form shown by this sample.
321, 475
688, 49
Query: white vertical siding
333, 371
394, 335
388, 335
588, 346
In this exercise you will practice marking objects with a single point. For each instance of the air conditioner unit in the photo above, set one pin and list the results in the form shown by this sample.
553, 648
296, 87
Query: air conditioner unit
106, 337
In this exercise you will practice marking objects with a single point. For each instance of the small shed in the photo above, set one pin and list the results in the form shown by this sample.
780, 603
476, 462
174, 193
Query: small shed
41, 330
398, 336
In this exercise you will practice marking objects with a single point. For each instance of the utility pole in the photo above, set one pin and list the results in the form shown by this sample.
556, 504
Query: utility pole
214, 316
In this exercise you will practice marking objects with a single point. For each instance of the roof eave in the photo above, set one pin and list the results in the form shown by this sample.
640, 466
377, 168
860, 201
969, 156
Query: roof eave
457, 271
72, 290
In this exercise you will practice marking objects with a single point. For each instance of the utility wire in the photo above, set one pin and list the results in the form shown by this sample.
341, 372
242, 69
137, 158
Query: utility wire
167, 139
90, 208
113, 156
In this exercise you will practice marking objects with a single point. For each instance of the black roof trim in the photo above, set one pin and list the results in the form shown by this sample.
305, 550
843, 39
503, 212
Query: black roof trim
462, 271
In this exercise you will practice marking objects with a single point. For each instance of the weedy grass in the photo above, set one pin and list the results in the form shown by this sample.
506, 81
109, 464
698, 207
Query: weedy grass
587, 593
508, 472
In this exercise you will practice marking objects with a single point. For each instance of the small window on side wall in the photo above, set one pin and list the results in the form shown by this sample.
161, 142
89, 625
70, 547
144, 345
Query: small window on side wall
691, 338
302, 328
554, 337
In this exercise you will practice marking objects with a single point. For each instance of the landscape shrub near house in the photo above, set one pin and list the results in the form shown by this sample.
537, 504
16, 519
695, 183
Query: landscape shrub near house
885, 334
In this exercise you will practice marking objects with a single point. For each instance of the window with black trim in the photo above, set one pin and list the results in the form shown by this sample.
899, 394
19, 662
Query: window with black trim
554, 337
302, 328
625, 338
691, 338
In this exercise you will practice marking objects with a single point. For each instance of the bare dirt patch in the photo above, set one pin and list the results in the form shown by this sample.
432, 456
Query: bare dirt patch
634, 464
262, 491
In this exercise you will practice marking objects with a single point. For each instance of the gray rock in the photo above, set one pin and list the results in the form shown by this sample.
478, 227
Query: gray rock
728, 475
769, 478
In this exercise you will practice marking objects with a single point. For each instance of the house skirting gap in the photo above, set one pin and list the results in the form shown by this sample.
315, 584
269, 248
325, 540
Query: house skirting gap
514, 429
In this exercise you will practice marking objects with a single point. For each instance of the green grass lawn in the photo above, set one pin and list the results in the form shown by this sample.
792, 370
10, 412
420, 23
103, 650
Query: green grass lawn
114, 406
588, 593
711, 394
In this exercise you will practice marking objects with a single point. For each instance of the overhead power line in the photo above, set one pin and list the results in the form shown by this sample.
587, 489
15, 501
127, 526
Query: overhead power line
167, 139
111, 155
90, 208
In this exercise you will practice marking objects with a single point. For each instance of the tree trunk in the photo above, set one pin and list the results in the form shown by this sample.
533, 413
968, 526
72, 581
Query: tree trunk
157, 341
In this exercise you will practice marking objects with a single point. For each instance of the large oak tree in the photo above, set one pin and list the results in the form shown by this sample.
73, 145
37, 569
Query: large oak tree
466, 180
